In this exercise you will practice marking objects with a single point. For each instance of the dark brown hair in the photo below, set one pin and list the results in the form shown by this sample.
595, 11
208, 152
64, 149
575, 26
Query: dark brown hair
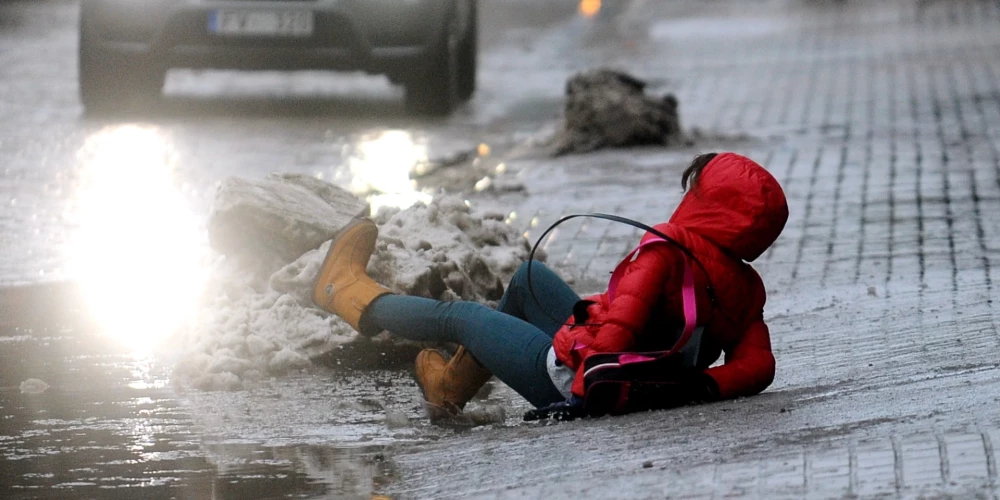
694, 170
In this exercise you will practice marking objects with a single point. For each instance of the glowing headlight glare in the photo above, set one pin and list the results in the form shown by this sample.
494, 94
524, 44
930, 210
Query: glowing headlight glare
382, 164
138, 250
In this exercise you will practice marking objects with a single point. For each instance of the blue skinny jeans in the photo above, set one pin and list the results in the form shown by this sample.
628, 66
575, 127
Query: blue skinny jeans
512, 341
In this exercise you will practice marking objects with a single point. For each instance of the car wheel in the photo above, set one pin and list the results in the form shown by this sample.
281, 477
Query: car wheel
468, 52
110, 83
434, 89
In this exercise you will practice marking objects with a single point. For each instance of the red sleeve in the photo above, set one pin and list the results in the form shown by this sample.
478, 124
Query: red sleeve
749, 366
638, 292
568, 338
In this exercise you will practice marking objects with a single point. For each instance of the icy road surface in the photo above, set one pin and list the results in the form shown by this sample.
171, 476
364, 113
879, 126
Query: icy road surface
880, 119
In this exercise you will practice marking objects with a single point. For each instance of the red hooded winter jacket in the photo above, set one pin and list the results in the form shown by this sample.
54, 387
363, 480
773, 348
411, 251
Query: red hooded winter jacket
734, 212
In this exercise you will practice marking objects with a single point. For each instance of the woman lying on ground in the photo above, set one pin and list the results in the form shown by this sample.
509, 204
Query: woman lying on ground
732, 211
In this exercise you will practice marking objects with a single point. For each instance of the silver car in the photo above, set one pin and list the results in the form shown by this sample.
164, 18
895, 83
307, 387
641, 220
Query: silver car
428, 46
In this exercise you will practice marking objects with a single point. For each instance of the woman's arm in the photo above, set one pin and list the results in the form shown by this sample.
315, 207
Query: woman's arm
749, 366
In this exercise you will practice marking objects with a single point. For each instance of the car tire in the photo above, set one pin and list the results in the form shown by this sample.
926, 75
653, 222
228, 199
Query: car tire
468, 53
433, 90
110, 83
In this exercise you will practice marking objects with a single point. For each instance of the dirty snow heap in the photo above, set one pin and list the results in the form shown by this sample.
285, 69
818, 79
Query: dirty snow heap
606, 109
257, 319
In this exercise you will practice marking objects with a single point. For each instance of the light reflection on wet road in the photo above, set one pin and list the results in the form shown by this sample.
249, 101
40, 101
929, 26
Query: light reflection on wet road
80, 411
110, 423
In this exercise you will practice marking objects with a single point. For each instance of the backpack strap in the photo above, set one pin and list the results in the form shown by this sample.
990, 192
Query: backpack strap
689, 343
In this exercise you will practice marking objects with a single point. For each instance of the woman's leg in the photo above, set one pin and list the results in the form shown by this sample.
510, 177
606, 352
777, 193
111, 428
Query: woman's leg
555, 299
511, 348
512, 343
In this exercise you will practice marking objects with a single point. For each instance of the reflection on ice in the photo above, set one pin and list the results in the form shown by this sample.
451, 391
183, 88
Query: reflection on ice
317, 471
138, 250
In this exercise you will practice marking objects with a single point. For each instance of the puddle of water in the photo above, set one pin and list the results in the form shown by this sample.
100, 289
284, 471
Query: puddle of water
106, 423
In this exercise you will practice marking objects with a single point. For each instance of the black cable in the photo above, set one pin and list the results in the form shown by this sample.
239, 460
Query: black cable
709, 289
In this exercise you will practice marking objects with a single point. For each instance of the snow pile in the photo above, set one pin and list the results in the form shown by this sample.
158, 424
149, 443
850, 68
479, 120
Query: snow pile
606, 108
253, 325
445, 251
277, 219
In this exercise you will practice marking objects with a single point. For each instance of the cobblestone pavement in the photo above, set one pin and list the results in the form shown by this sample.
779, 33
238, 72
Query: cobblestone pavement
882, 121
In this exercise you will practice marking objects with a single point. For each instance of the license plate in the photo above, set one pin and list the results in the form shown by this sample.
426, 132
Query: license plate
253, 22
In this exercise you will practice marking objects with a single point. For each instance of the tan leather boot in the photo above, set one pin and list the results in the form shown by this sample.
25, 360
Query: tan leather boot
449, 384
343, 286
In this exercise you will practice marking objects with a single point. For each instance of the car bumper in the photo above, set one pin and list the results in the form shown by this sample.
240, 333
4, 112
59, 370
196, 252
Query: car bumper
373, 35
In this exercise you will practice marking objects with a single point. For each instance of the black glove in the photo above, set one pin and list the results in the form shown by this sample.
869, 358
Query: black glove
571, 409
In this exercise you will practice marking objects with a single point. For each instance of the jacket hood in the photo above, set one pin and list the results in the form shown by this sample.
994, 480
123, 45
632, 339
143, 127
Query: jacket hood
735, 204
